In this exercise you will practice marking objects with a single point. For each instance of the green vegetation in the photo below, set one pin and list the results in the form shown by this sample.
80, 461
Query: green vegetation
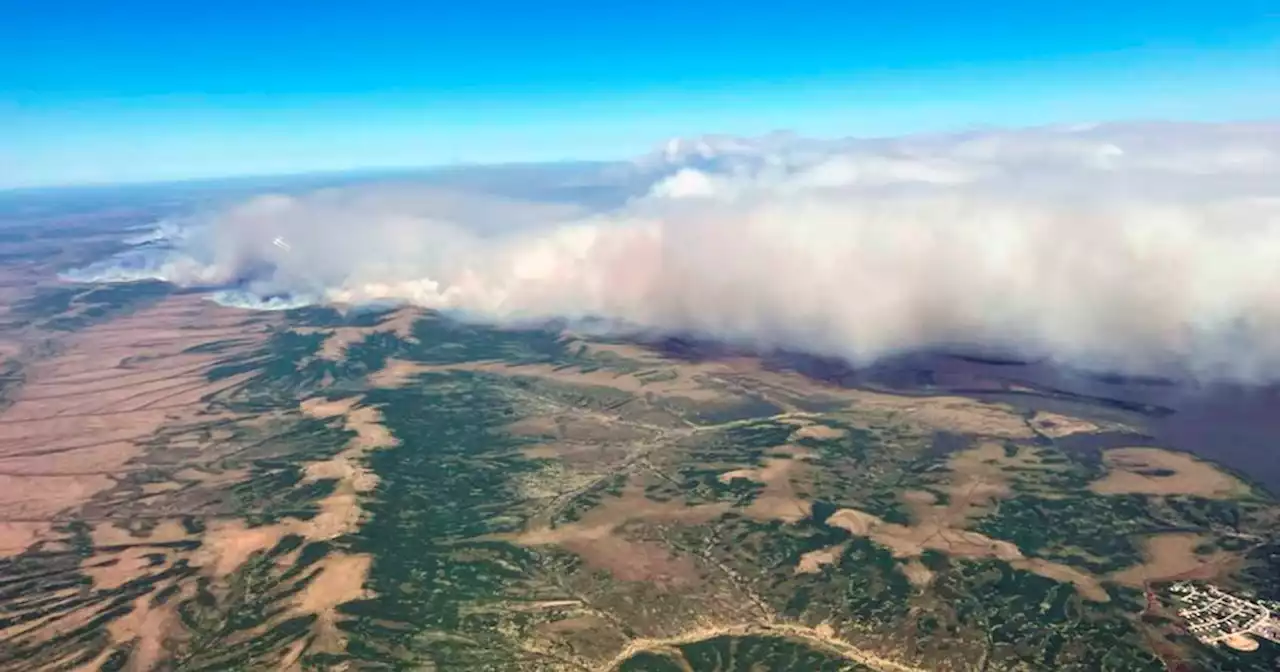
589, 498
446, 486
1059, 528
442, 488
456, 584
1037, 623
34, 586
243, 624
325, 316
1100, 532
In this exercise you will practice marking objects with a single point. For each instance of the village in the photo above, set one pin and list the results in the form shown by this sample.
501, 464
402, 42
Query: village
1216, 617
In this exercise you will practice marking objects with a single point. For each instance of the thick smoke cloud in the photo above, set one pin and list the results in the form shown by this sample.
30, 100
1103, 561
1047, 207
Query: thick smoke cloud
1132, 247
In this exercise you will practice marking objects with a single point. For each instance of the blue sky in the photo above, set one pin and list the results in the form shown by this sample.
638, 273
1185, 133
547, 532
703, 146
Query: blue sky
134, 91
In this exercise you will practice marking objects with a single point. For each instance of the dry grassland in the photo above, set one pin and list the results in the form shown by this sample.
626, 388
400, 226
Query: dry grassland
1189, 476
339, 339
1173, 555
80, 420
598, 537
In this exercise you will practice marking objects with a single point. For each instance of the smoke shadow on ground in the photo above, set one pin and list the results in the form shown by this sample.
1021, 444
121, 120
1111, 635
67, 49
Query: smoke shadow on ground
1236, 425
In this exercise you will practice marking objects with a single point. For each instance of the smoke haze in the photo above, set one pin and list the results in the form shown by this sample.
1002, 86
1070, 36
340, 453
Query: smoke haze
1138, 247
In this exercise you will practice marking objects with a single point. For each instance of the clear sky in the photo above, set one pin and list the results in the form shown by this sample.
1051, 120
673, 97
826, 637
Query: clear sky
126, 90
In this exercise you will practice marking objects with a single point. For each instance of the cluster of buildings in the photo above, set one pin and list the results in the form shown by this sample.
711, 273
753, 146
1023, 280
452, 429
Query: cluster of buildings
1217, 617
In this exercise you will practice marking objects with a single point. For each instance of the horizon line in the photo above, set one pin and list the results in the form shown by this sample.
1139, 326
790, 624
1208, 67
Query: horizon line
656, 147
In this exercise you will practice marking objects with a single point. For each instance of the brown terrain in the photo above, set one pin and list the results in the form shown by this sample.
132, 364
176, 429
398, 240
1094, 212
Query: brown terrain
117, 426
1174, 556
119, 452
598, 540
340, 338
1152, 471
82, 417
614, 535
978, 478
779, 500
79, 428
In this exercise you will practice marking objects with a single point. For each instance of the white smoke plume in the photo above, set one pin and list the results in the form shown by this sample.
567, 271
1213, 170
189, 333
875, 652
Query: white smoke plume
1134, 247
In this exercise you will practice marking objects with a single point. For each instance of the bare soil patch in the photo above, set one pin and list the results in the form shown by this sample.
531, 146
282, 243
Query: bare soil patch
819, 432
341, 580
813, 561
979, 479
1056, 426
981, 476
1153, 471
17, 536
1173, 555
599, 539
953, 414
340, 512
163, 531
546, 451
79, 419
615, 512
149, 625
1242, 643
774, 471
229, 543
36, 497
535, 425
339, 339
778, 501
320, 407
915, 571
787, 509
911, 541
1084, 582
397, 373
629, 560
110, 571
